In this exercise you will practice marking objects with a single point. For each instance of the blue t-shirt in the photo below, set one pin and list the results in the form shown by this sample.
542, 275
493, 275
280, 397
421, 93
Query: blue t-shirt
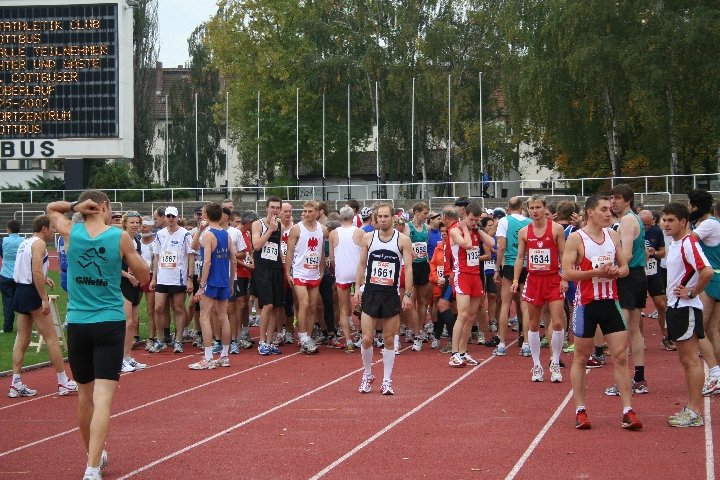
9, 250
434, 237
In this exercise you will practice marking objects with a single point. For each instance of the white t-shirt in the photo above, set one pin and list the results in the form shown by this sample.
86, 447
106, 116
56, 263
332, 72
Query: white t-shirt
709, 232
502, 227
237, 239
684, 259
172, 250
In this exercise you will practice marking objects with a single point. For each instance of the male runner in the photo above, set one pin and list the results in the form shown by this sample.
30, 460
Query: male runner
544, 242
632, 290
32, 304
305, 249
418, 232
594, 260
286, 316
689, 272
655, 246
96, 321
378, 286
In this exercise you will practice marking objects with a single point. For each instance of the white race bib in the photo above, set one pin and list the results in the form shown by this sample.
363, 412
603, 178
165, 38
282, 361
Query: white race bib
651, 268
600, 260
283, 250
539, 259
168, 259
248, 260
269, 252
490, 265
473, 257
312, 261
382, 273
198, 267
419, 250
441, 271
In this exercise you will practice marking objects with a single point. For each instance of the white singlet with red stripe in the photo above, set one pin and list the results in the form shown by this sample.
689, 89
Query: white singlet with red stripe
284, 235
466, 261
347, 255
596, 255
308, 251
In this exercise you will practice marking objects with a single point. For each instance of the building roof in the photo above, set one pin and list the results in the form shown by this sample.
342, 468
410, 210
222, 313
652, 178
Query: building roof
165, 80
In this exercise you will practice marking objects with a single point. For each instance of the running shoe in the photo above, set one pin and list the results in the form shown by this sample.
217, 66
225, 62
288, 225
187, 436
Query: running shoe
493, 326
409, 337
126, 367
223, 362
594, 362
396, 350
514, 324
278, 340
643, 315
198, 343
711, 386
379, 342
148, 344
217, 347
366, 383
417, 345
402, 330
581, 420
640, 387
203, 364
613, 391
158, 347
274, 350
92, 476
668, 344
350, 347
494, 342
137, 343
456, 360
243, 344
253, 321
630, 421
500, 351
481, 338
544, 342
447, 348
288, 338
434, 343
336, 342
178, 348
469, 360
685, 418
68, 388
525, 351
386, 388
246, 336
104, 460
234, 348
537, 373
308, 347
555, 374
263, 349
654, 315
568, 347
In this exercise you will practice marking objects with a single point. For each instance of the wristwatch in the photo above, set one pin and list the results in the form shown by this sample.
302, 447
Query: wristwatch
690, 294
73, 205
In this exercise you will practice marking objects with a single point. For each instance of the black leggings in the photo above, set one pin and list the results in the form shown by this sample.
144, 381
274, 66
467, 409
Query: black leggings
326, 293
446, 318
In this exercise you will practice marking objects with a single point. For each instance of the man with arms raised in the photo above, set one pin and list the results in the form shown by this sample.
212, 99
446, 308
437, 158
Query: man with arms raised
632, 289
304, 269
689, 272
544, 242
378, 286
96, 320
594, 260
33, 305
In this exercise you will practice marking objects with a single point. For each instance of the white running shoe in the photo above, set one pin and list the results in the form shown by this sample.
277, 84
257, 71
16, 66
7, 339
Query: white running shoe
136, 364
537, 373
386, 388
21, 390
366, 383
68, 388
481, 338
555, 374
104, 459
417, 345
126, 367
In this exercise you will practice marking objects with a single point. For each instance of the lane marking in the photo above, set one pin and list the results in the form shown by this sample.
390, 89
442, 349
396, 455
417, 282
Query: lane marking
153, 402
247, 421
392, 425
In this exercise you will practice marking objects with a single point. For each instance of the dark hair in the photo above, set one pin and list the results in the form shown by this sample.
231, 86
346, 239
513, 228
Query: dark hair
565, 210
96, 196
213, 211
473, 209
273, 199
161, 211
462, 202
13, 226
419, 207
235, 214
323, 207
227, 211
625, 191
485, 220
679, 210
592, 201
354, 204
40, 222
702, 200
248, 216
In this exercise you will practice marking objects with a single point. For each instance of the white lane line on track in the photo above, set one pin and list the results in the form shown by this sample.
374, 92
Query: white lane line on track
389, 427
55, 394
709, 449
245, 422
538, 438
153, 402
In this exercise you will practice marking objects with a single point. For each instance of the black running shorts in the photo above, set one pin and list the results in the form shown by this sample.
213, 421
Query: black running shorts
632, 290
269, 285
379, 305
605, 313
421, 273
95, 350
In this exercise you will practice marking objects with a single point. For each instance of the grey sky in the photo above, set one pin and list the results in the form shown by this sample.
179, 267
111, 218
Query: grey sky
176, 21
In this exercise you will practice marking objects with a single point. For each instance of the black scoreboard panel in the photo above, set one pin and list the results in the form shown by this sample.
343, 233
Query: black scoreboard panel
59, 71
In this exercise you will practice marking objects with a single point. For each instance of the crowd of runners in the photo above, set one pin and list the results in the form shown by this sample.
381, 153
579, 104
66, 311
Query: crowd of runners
576, 276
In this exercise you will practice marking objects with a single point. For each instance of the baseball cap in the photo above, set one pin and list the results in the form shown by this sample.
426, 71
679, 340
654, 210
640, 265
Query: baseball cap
462, 202
499, 213
365, 213
171, 211
117, 214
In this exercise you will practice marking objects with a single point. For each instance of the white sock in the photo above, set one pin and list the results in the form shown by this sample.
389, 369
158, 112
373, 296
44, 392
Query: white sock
501, 345
225, 350
62, 378
367, 356
303, 337
16, 378
92, 471
534, 341
626, 409
397, 341
125, 359
580, 407
714, 371
208, 353
556, 342
388, 363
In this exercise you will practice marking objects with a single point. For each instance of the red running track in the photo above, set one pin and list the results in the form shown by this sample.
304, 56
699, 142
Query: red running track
294, 416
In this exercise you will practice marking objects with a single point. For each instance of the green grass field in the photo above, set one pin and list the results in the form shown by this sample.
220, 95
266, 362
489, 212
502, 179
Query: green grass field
32, 357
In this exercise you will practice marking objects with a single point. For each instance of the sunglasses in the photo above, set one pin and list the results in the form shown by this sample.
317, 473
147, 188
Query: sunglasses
171, 216
133, 214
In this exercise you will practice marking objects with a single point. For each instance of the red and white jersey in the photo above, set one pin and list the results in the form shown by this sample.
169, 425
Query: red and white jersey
684, 259
308, 252
242, 270
596, 255
284, 235
542, 252
466, 261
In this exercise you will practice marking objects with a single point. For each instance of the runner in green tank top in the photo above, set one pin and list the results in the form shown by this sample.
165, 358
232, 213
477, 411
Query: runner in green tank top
418, 232
96, 321
632, 290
